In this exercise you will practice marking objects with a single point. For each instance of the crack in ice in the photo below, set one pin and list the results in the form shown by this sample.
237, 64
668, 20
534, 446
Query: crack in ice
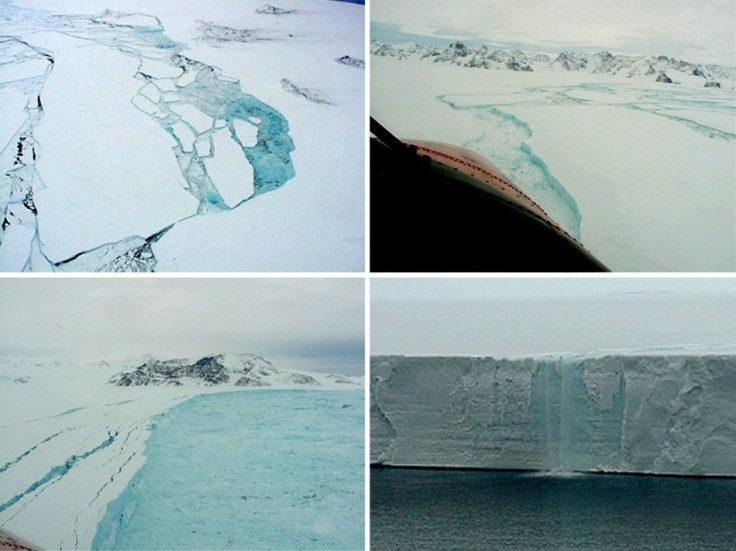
27, 452
20, 177
507, 149
178, 93
57, 472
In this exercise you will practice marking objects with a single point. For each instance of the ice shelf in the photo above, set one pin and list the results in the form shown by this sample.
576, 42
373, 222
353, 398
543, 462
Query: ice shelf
630, 414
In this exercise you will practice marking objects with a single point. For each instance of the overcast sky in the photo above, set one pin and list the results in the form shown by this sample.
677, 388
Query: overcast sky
695, 30
315, 324
516, 317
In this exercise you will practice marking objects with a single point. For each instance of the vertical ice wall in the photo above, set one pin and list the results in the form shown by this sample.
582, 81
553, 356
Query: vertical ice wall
654, 414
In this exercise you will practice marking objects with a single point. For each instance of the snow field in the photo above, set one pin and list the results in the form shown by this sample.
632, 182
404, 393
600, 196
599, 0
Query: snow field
650, 166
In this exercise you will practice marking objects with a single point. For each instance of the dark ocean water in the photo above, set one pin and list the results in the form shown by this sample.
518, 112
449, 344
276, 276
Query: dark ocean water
443, 509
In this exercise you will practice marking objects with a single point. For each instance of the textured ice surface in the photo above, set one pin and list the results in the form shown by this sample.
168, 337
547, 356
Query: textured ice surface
506, 146
163, 133
172, 82
264, 470
639, 414
23, 72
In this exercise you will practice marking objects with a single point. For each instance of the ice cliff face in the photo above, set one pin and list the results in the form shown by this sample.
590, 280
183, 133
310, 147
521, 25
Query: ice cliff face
639, 414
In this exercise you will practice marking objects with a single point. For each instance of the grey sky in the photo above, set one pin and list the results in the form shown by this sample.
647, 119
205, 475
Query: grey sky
314, 324
694, 30
511, 317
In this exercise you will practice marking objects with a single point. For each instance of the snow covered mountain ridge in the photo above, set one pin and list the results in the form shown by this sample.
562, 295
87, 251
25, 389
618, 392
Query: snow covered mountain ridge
239, 370
671, 415
483, 57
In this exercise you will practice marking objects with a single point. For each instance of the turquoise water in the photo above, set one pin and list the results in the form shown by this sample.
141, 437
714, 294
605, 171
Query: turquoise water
267, 469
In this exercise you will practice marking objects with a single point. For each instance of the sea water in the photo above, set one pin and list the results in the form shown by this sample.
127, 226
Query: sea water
444, 509
266, 469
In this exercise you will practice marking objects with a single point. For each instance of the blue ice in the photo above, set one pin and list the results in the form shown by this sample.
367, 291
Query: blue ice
504, 144
267, 469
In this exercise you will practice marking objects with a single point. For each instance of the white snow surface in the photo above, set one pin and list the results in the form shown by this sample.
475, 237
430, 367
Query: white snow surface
106, 172
650, 167
72, 440
671, 415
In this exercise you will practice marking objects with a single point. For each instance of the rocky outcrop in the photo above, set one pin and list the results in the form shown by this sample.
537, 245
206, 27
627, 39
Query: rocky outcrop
351, 61
604, 62
207, 370
239, 370
309, 94
268, 9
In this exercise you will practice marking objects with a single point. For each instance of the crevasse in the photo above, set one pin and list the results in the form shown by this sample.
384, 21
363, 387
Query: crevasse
191, 101
504, 144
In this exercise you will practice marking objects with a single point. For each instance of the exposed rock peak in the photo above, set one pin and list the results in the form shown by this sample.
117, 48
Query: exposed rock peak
482, 57
237, 369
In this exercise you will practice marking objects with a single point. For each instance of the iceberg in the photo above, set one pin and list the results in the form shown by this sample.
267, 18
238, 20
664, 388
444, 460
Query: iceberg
653, 414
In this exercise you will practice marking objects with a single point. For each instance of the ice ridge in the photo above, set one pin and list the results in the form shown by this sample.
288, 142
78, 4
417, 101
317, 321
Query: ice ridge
631, 414
28, 451
566, 210
132, 254
506, 148
515, 121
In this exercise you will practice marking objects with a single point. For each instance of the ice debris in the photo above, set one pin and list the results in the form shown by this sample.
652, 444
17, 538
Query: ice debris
191, 101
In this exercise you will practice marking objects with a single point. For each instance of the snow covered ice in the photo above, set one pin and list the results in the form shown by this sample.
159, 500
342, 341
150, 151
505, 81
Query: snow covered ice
640, 170
628, 414
139, 141
73, 434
